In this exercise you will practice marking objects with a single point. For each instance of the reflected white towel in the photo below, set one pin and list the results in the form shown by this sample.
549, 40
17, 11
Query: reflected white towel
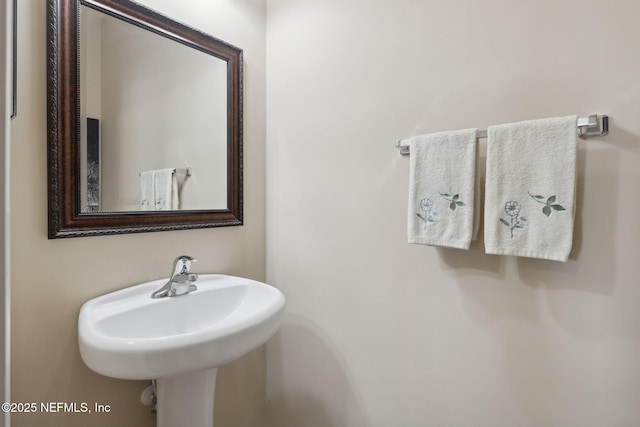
159, 190
147, 191
166, 190
442, 189
530, 188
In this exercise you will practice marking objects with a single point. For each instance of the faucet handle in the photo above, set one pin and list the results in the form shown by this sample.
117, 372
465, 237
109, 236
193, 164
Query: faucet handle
182, 264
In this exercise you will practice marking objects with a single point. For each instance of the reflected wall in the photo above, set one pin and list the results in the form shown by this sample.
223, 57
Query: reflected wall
160, 105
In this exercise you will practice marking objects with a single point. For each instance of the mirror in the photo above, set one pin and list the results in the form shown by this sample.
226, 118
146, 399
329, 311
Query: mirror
145, 122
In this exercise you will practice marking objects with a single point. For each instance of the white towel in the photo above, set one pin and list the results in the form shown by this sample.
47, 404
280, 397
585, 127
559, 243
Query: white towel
166, 190
147, 191
442, 189
530, 188
159, 190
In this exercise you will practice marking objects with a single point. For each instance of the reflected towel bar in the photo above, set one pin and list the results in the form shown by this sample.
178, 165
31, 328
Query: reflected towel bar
186, 171
593, 125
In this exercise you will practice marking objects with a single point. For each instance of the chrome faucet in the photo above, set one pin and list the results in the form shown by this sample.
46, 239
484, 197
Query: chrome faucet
181, 281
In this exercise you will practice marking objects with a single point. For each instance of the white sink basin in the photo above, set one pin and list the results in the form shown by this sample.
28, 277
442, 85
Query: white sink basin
127, 334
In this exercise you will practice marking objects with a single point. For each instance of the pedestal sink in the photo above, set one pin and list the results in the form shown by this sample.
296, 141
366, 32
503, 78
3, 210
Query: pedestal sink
179, 341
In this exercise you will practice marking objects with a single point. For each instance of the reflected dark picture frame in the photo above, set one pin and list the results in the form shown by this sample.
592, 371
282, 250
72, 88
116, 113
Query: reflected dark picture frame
93, 166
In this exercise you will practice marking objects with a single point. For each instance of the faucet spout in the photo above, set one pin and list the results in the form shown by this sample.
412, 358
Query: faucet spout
181, 281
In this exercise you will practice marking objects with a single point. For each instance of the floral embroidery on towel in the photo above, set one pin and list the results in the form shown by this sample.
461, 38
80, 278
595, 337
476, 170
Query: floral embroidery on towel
454, 201
426, 206
512, 209
549, 206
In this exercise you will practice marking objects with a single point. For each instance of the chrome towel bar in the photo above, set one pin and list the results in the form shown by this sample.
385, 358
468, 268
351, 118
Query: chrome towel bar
186, 171
593, 125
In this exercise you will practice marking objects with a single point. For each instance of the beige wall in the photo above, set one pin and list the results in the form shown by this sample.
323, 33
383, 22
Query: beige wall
378, 332
382, 333
52, 278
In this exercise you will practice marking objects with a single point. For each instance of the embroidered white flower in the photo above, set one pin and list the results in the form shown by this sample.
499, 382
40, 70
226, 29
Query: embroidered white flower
515, 221
512, 209
426, 205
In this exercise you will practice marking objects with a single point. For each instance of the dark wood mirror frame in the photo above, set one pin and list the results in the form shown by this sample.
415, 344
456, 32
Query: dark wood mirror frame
63, 122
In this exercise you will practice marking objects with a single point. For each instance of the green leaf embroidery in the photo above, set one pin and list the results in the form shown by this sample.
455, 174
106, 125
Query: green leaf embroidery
549, 205
504, 221
421, 217
454, 201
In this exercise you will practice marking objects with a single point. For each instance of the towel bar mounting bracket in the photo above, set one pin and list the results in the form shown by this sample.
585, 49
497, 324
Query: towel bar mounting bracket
593, 125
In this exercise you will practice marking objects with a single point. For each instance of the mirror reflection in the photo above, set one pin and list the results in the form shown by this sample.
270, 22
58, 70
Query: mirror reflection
153, 121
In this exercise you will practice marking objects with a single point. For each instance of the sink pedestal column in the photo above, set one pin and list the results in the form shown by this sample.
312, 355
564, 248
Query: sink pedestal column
187, 399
